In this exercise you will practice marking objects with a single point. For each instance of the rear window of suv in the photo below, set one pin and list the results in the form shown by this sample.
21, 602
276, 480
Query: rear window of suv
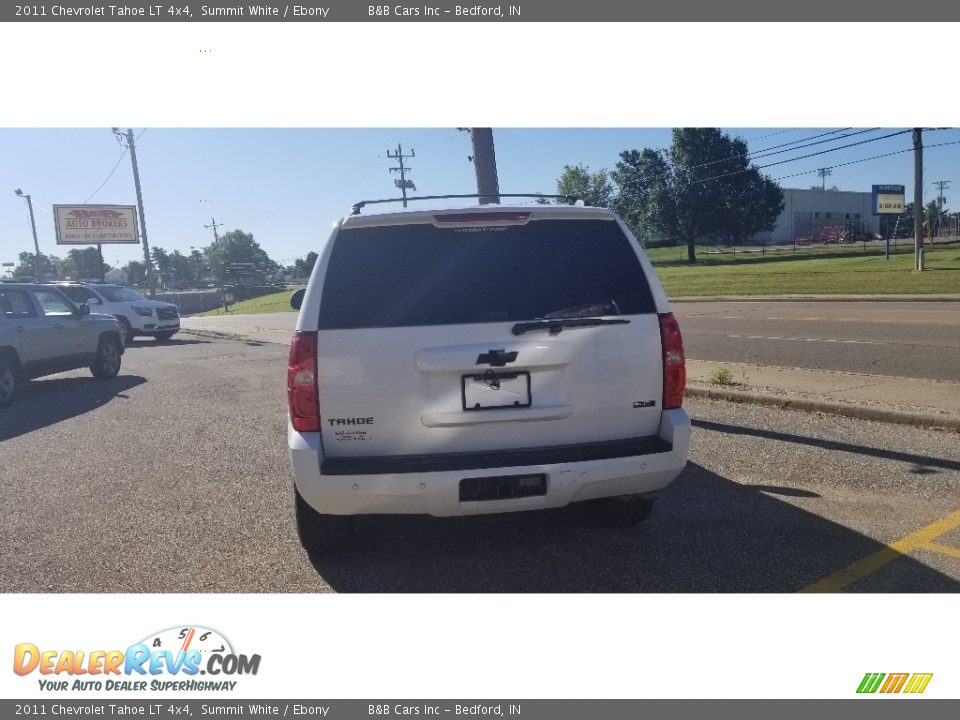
410, 275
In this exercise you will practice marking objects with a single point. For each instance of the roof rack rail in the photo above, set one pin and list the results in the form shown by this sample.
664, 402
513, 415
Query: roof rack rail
355, 210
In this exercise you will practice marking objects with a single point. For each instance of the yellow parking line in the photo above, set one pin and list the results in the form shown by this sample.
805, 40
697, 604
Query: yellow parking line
942, 549
873, 562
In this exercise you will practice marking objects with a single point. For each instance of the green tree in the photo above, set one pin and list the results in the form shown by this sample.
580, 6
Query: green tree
198, 264
237, 246
161, 260
644, 199
594, 188
180, 267
303, 267
902, 223
136, 272
753, 205
50, 266
703, 186
937, 216
84, 263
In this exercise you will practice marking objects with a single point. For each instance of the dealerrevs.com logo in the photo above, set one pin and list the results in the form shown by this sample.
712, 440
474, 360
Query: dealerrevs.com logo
892, 683
172, 659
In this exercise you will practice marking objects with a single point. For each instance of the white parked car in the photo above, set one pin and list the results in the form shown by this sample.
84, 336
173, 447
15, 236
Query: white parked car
137, 315
482, 360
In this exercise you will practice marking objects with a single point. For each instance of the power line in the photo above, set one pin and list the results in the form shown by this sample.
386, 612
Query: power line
754, 156
767, 153
435, 141
770, 151
338, 182
812, 137
110, 175
862, 160
804, 157
778, 132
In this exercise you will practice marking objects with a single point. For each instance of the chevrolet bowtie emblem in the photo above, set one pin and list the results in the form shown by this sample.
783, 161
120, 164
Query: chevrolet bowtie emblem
496, 358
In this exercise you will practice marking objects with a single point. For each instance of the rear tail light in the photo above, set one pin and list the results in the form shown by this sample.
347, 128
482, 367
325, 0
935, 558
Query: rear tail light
302, 383
674, 363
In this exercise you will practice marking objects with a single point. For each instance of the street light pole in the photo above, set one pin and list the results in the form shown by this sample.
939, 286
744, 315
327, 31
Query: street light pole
36, 243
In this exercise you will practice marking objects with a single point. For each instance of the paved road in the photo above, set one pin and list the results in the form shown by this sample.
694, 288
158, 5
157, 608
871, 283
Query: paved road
173, 477
908, 339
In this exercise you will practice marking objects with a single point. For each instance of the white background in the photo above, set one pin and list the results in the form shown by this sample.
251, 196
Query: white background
459, 74
520, 646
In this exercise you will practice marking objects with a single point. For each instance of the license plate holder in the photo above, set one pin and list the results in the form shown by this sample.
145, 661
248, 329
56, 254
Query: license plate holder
503, 487
491, 390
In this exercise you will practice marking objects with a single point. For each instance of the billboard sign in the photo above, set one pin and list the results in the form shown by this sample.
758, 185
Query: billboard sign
888, 199
96, 224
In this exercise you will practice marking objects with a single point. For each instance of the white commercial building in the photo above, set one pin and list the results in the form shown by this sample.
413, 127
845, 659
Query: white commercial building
819, 215
116, 275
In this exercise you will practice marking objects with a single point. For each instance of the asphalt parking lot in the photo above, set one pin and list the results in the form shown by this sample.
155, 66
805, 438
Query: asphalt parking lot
173, 477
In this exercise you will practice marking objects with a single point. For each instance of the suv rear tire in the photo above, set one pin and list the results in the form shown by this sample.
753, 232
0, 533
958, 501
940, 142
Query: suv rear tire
106, 363
164, 336
8, 382
321, 533
617, 512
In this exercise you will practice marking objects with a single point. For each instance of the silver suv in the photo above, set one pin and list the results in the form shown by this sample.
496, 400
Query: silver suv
481, 360
43, 332
136, 314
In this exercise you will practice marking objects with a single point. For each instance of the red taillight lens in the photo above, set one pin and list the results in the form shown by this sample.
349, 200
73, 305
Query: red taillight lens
674, 363
302, 383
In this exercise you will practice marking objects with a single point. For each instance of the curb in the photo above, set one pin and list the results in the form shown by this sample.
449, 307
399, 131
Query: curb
217, 335
861, 412
212, 334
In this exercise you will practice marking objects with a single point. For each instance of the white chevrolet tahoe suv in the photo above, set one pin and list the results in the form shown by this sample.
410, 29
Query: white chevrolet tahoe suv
482, 360
136, 314
42, 332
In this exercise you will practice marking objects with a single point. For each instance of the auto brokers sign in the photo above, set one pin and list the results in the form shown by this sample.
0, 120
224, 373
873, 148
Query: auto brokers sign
96, 224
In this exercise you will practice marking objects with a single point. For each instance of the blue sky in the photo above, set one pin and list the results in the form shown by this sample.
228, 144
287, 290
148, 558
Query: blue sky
287, 186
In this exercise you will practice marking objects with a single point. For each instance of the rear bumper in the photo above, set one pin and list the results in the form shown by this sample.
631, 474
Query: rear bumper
438, 492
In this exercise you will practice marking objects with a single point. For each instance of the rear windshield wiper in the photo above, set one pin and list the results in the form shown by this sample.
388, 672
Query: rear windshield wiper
556, 325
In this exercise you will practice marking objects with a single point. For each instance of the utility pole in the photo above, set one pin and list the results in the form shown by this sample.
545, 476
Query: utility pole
823, 172
918, 198
485, 164
940, 185
402, 183
132, 147
214, 225
36, 243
